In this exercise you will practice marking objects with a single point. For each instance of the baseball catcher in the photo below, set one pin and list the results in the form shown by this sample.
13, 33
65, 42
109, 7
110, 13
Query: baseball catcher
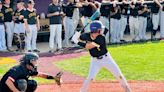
17, 78
95, 43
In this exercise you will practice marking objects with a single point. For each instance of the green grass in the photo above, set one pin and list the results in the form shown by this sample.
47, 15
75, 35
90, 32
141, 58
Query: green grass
137, 62
5, 67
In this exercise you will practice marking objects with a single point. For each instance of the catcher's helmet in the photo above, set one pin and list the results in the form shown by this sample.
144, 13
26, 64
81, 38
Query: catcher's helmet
28, 58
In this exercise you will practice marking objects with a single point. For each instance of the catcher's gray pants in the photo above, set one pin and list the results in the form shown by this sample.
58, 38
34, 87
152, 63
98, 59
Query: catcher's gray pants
2, 38
9, 30
31, 37
142, 27
162, 25
134, 26
105, 22
69, 30
108, 63
123, 25
115, 30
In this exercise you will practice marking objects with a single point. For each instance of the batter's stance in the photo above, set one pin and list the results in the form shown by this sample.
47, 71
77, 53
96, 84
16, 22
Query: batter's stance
100, 57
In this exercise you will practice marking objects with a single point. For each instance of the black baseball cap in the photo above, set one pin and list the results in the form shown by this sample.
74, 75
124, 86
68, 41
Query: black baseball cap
20, 1
31, 2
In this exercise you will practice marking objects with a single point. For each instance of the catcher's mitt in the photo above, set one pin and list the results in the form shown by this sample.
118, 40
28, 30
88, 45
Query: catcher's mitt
58, 78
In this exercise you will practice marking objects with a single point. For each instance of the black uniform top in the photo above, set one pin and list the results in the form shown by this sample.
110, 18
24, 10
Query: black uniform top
30, 16
16, 73
124, 8
105, 10
68, 9
134, 11
17, 14
1, 17
100, 40
154, 8
144, 14
163, 8
55, 19
118, 14
8, 13
87, 10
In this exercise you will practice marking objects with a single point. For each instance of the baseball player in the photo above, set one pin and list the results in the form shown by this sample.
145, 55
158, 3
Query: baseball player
9, 24
100, 57
104, 18
162, 24
124, 15
133, 20
32, 26
2, 30
19, 28
155, 16
143, 14
68, 22
55, 16
16, 78
115, 23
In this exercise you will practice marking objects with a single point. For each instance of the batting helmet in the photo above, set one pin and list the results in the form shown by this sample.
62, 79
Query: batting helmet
95, 26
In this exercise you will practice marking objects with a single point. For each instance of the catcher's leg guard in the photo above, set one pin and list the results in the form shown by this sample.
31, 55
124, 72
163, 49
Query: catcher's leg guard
31, 85
16, 39
21, 84
22, 37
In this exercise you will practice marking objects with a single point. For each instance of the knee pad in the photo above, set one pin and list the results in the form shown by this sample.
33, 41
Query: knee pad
16, 37
31, 86
21, 84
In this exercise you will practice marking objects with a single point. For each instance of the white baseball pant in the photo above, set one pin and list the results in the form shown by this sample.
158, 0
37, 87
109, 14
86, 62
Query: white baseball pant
123, 25
115, 30
31, 37
19, 28
9, 30
134, 26
155, 21
55, 36
2, 38
162, 25
105, 22
108, 63
76, 17
69, 30
142, 27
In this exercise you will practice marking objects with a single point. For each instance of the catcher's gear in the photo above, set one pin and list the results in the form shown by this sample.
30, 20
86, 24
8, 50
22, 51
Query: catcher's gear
29, 58
21, 84
31, 86
58, 78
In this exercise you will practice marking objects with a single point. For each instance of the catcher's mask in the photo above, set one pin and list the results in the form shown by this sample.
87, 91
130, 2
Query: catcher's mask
28, 58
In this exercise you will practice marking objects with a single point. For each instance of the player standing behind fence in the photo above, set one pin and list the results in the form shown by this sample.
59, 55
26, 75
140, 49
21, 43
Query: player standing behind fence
2, 30
32, 26
124, 20
55, 17
9, 25
133, 20
19, 28
162, 23
143, 14
100, 57
156, 6
115, 23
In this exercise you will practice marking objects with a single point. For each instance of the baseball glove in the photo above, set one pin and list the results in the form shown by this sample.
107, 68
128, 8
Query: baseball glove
58, 78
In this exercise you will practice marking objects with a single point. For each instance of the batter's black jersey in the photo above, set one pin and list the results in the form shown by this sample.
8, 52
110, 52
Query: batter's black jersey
8, 13
30, 16
17, 14
1, 17
68, 9
100, 40
52, 9
105, 10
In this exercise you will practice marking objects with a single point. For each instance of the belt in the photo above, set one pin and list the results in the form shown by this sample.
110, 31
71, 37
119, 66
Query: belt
101, 57
69, 17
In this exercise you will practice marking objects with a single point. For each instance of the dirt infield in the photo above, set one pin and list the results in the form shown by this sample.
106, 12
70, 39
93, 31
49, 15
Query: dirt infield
72, 83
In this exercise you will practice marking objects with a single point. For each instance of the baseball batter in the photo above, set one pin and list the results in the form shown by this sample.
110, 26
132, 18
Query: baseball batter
100, 57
